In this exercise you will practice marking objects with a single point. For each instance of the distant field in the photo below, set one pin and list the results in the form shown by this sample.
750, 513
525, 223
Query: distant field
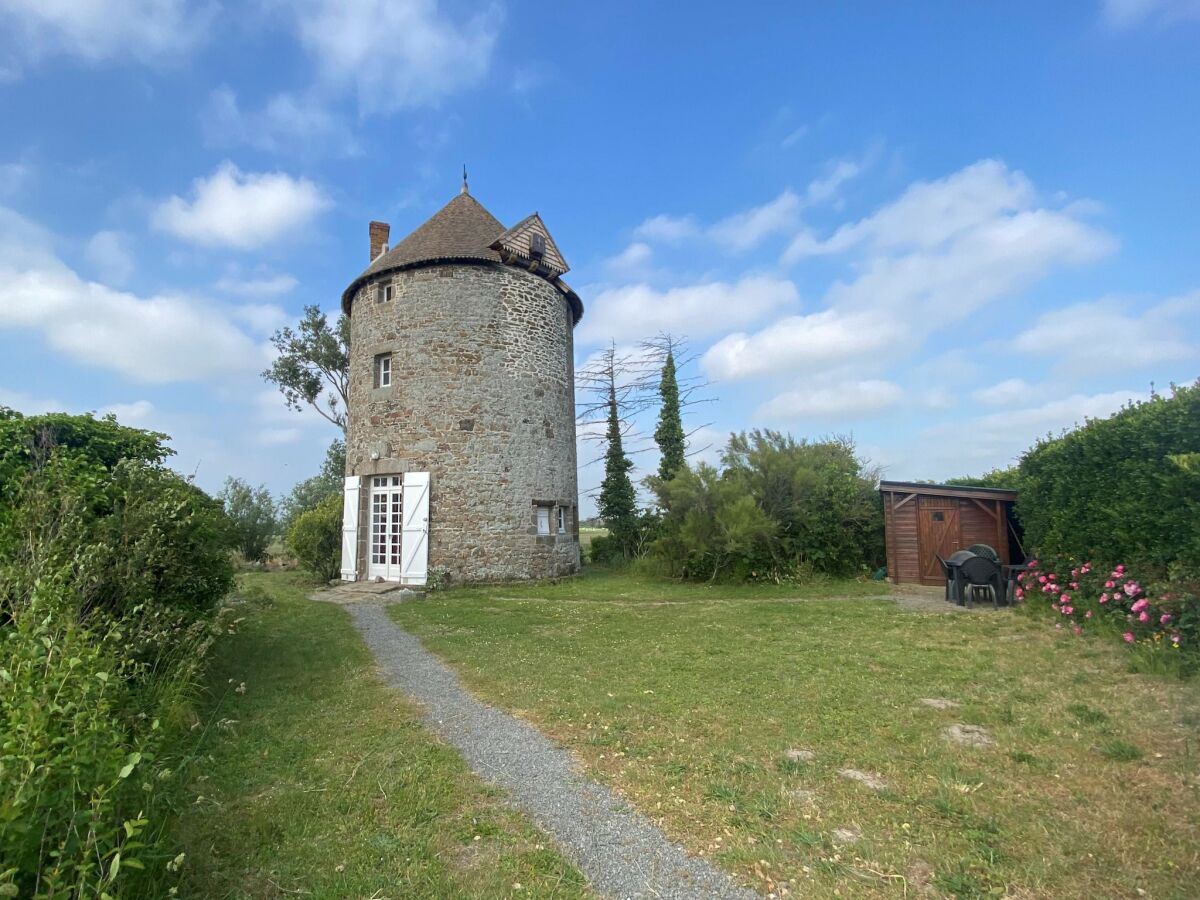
688, 699
587, 535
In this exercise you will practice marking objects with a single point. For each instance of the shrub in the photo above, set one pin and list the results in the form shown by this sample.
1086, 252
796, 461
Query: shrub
316, 538
252, 514
1122, 488
778, 509
1151, 618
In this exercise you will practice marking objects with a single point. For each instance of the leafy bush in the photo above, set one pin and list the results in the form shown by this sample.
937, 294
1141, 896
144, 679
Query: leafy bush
316, 538
778, 509
252, 514
1122, 488
310, 492
110, 569
1152, 619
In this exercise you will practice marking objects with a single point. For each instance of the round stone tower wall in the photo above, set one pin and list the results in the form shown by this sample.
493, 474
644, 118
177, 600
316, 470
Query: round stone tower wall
482, 397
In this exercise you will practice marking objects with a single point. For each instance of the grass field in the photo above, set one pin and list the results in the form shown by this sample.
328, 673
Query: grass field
688, 698
317, 781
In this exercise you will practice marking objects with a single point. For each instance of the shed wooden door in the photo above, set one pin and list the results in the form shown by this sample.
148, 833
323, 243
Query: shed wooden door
938, 534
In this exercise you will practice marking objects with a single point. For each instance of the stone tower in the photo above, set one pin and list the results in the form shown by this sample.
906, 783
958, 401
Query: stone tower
460, 448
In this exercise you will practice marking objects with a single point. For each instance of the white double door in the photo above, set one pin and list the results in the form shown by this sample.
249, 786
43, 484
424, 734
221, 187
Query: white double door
387, 527
398, 545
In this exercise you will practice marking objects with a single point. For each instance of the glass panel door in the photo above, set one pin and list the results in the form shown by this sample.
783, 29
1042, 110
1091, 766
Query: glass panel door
387, 516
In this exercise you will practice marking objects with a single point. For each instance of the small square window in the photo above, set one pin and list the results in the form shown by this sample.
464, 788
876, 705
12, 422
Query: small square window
562, 520
939, 517
384, 293
383, 370
543, 520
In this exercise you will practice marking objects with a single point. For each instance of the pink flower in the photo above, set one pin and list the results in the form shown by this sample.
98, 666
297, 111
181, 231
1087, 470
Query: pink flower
1077, 629
1074, 585
1144, 617
1033, 564
1164, 619
1131, 588
1020, 594
1058, 625
1067, 610
1128, 637
1175, 639
1052, 576
1121, 568
1139, 605
1042, 579
1088, 614
1020, 576
1104, 598
1065, 598
1074, 573
1109, 584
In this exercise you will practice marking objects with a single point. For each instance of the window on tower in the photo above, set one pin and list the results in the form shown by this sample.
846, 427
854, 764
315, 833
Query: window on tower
562, 520
543, 520
383, 370
383, 293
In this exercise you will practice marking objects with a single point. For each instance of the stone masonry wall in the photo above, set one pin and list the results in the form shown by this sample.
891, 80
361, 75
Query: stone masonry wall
483, 398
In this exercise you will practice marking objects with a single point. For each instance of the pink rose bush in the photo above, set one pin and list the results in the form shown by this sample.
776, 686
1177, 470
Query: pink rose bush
1112, 600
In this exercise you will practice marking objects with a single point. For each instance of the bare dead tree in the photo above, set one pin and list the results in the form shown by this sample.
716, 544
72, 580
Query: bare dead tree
693, 389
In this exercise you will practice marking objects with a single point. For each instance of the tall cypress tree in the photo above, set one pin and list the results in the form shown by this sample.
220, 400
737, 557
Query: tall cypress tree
669, 433
618, 502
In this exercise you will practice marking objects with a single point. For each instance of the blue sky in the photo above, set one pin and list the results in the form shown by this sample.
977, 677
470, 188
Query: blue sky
944, 229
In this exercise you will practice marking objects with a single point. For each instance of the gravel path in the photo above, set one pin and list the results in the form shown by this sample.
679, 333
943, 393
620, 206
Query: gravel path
622, 853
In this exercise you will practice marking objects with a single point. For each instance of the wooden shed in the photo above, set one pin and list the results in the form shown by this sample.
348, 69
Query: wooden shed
925, 521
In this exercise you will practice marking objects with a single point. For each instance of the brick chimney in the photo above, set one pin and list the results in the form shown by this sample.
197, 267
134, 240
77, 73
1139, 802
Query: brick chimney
379, 238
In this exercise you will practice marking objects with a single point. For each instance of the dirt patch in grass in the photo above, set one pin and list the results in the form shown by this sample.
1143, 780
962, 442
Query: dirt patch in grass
689, 706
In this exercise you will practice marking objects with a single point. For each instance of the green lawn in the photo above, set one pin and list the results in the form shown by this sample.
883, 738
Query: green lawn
318, 781
687, 698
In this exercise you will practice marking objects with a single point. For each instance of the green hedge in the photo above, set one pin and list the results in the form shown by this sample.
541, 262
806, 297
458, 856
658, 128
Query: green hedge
1125, 489
316, 538
111, 568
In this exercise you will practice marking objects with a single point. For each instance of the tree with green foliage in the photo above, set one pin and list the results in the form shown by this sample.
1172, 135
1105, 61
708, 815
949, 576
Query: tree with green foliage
316, 538
252, 514
618, 500
672, 443
311, 492
313, 366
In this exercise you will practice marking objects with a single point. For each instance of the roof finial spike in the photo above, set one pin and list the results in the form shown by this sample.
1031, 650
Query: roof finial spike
464, 187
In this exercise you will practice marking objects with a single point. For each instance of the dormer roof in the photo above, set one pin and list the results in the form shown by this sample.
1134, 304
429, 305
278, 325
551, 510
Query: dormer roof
516, 246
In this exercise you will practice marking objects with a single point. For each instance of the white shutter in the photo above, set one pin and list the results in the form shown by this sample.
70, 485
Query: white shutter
350, 529
414, 543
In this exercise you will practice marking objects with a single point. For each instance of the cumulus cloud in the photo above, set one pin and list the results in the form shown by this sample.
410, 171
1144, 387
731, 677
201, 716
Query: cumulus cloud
805, 342
747, 229
1093, 337
633, 261
108, 252
838, 401
14, 176
149, 31
1005, 393
161, 338
637, 311
266, 286
394, 54
940, 252
667, 229
287, 123
243, 210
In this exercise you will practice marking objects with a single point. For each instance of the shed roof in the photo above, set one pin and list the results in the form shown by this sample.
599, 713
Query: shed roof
948, 490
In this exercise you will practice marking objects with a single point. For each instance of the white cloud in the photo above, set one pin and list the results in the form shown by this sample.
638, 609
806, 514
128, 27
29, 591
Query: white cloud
667, 229
267, 286
1129, 13
1098, 336
149, 31
838, 401
933, 257
826, 187
807, 342
162, 338
1005, 393
747, 229
109, 252
395, 54
243, 210
638, 311
288, 123
273, 437
633, 261
996, 440
138, 413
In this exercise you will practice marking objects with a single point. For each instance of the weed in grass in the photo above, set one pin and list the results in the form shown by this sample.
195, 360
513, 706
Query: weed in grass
1087, 714
1120, 751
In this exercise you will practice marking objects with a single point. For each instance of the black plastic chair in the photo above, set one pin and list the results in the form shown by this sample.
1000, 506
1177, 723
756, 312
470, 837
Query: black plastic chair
985, 551
949, 576
980, 572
